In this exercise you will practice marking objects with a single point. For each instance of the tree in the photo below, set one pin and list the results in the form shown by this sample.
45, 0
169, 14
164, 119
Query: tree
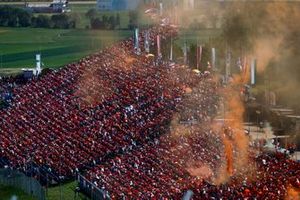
74, 18
91, 14
105, 21
112, 22
5, 15
12, 20
63, 21
13, 17
118, 21
133, 19
42, 21
24, 19
97, 24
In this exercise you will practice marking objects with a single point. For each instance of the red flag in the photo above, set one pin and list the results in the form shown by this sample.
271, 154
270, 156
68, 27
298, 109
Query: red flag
158, 46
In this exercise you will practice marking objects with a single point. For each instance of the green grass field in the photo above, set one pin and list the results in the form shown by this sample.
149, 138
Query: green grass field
66, 192
6, 192
201, 36
80, 10
18, 46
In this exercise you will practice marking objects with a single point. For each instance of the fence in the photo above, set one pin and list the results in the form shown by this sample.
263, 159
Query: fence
91, 189
19, 180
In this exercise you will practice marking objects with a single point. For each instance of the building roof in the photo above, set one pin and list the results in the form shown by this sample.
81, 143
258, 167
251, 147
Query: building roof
118, 4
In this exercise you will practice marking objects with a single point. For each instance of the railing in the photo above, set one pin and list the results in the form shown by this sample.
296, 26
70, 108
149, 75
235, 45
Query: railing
91, 189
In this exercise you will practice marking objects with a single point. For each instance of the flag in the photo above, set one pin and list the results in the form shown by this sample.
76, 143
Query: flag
239, 64
213, 57
136, 45
38, 64
245, 67
185, 54
136, 38
158, 46
228, 66
253, 71
171, 50
161, 9
147, 43
199, 56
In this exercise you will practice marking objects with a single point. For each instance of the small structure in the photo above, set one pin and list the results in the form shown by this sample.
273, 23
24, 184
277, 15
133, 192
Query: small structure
29, 73
57, 6
38, 68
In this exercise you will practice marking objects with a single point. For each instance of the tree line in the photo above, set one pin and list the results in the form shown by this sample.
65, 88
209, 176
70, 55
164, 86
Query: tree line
110, 22
18, 17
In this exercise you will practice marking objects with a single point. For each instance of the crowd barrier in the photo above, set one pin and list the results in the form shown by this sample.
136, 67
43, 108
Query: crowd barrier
29, 185
91, 189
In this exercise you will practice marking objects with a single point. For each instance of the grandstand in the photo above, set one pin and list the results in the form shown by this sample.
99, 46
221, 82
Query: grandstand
65, 121
112, 119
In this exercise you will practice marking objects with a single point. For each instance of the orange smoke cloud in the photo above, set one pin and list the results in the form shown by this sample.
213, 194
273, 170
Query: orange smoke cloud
235, 113
234, 139
292, 194
203, 172
229, 156
266, 50
92, 88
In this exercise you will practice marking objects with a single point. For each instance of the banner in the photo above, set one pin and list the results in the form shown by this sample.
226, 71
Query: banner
185, 54
171, 50
147, 43
239, 64
38, 64
161, 9
253, 72
245, 66
158, 47
213, 57
136, 38
199, 56
228, 66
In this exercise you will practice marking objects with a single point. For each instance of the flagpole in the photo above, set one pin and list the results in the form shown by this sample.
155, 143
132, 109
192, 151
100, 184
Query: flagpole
171, 53
197, 53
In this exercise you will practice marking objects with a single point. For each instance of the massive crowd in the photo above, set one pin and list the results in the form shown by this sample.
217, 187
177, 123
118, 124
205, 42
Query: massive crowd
161, 167
188, 158
273, 177
155, 172
67, 120
158, 169
112, 115
7, 84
